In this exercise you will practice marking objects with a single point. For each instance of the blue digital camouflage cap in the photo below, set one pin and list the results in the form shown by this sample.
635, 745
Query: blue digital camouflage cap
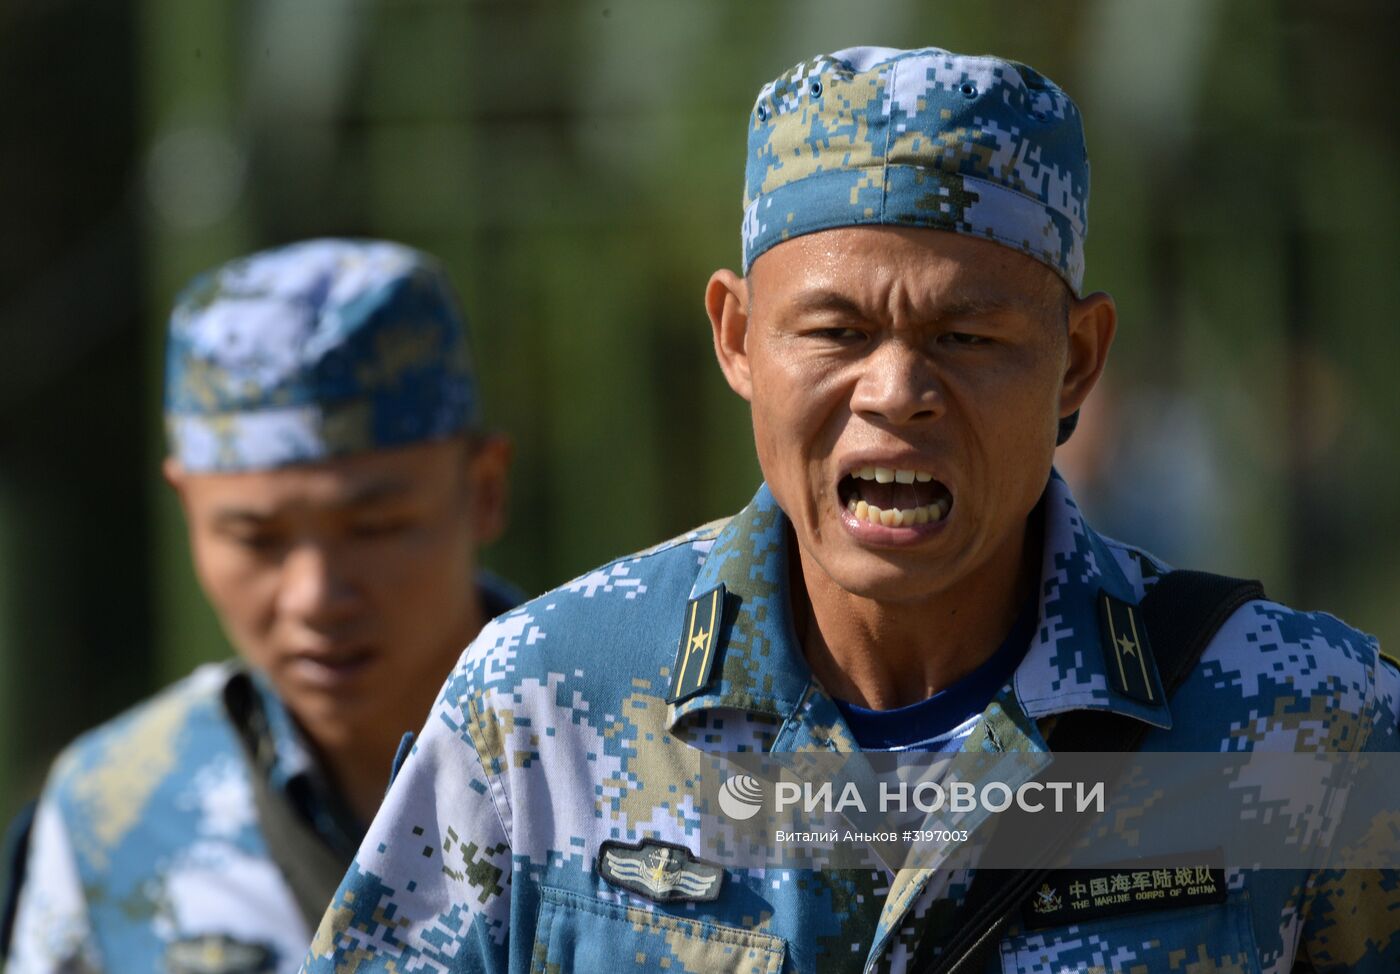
312, 351
926, 138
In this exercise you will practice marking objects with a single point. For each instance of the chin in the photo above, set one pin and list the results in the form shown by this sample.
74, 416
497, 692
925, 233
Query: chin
325, 716
882, 578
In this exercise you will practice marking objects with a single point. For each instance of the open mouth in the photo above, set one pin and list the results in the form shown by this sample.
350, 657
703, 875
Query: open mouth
894, 497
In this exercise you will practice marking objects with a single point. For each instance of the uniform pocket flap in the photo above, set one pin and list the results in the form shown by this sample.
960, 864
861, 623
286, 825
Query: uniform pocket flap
580, 933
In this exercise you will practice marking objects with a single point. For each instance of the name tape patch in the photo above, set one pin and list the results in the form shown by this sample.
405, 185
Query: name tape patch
1075, 895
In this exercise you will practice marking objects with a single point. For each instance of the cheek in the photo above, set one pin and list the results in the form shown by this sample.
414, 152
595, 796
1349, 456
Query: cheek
1016, 399
765, 425
423, 566
242, 590
1018, 434
793, 406
779, 445
421, 603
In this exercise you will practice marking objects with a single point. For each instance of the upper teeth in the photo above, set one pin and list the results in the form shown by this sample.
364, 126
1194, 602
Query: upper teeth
885, 475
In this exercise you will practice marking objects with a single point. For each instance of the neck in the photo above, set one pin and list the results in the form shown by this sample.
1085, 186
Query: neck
883, 655
359, 755
360, 772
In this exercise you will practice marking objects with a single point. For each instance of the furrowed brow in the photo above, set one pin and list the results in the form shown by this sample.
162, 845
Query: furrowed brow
823, 301
374, 493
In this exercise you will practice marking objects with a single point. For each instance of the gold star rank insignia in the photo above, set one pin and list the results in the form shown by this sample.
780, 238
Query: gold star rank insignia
1128, 661
695, 658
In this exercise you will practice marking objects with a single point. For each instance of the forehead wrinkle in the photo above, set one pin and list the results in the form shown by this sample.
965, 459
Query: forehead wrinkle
894, 302
822, 299
964, 289
889, 276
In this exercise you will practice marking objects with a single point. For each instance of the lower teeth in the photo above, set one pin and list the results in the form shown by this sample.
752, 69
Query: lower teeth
898, 517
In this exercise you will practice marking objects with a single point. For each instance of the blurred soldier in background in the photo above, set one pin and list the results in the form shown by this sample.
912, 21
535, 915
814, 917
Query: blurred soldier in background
324, 441
913, 339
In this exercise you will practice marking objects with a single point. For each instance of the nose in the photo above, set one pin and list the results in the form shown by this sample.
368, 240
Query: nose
897, 385
315, 588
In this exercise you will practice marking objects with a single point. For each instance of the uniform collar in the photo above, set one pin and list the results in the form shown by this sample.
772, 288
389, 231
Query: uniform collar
760, 664
1066, 666
289, 756
278, 754
761, 668
498, 595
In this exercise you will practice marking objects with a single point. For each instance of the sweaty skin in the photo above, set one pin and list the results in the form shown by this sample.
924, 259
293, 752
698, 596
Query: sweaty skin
909, 349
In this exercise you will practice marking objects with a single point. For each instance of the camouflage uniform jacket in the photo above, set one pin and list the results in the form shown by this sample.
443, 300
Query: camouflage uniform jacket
554, 735
147, 853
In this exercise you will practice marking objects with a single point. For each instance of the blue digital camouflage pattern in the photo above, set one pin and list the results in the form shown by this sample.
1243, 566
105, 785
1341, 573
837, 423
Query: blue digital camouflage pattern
315, 350
147, 853
554, 735
925, 138
147, 837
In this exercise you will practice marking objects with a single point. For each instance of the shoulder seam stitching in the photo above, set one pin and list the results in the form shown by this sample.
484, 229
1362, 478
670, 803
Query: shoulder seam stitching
493, 781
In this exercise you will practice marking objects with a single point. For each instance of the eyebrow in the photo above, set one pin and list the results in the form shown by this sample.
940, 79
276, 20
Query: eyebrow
980, 308
361, 496
826, 301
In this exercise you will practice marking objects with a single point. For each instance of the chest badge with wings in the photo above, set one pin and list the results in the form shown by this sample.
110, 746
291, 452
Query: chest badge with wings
660, 871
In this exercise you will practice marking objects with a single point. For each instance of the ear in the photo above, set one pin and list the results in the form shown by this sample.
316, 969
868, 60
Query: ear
174, 475
488, 470
1093, 321
726, 302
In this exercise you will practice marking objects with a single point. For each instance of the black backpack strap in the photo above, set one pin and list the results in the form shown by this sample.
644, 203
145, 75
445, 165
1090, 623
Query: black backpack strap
1182, 613
1185, 610
313, 870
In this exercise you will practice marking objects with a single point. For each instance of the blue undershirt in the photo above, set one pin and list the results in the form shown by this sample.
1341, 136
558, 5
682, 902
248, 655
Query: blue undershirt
943, 720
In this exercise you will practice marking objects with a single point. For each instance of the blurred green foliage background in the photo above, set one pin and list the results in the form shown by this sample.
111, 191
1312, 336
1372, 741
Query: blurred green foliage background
578, 166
